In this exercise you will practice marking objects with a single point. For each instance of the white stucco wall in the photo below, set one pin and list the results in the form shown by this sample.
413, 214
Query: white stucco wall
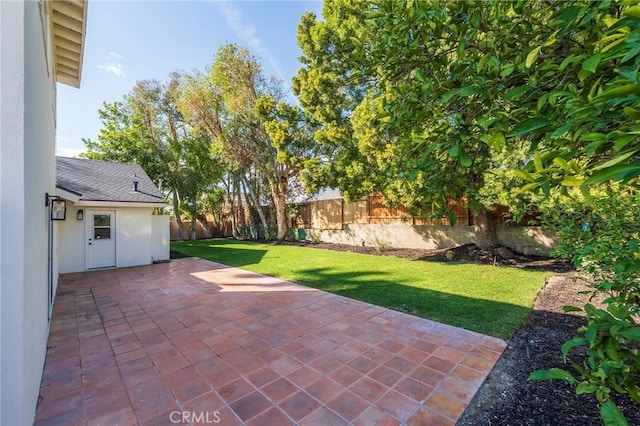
71, 242
138, 239
27, 173
133, 233
160, 237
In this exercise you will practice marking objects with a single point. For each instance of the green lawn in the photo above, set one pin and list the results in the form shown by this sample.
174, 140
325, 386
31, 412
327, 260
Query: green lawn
488, 299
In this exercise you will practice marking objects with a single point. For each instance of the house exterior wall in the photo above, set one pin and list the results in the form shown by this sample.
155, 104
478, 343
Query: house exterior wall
71, 241
159, 237
140, 236
27, 173
133, 237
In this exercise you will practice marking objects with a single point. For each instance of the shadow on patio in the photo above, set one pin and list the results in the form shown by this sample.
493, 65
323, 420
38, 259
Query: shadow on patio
192, 341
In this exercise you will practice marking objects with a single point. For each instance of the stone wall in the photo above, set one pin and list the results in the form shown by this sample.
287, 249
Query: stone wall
526, 240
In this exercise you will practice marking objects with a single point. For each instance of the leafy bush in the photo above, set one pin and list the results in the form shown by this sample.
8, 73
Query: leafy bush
603, 239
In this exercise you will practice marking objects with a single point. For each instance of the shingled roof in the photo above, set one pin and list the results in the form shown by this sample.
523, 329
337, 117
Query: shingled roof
102, 181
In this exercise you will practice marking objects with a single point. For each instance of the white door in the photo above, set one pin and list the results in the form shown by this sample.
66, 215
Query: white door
101, 244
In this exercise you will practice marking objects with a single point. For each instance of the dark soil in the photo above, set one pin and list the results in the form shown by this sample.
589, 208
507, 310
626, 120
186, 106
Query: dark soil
507, 397
468, 253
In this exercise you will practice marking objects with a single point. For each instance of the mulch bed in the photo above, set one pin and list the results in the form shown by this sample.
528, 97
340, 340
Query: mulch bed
507, 397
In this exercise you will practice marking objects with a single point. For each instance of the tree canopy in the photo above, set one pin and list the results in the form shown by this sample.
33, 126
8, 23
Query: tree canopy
146, 128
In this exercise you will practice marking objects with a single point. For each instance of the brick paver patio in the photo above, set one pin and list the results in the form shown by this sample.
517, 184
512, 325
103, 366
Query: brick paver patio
193, 341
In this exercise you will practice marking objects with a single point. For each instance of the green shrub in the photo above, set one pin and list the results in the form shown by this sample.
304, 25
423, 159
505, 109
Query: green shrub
603, 239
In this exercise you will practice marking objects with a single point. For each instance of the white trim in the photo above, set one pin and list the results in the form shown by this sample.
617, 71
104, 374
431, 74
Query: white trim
118, 204
74, 198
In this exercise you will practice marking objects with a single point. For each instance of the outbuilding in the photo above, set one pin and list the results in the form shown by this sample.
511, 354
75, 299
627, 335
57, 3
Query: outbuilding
108, 219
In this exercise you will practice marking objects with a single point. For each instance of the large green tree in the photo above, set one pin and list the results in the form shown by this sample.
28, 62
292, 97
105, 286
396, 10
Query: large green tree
434, 92
243, 111
425, 94
146, 128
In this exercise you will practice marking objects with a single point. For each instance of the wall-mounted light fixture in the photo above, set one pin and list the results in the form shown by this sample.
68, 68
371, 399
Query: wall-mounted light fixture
58, 207
80, 214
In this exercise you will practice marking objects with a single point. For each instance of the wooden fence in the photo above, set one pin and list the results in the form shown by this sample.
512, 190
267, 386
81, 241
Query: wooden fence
334, 214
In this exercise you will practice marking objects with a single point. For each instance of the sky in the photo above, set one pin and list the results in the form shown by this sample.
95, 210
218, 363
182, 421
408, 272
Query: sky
128, 41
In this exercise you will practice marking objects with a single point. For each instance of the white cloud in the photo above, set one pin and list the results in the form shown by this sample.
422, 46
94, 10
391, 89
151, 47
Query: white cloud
115, 55
112, 68
69, 152
247, 33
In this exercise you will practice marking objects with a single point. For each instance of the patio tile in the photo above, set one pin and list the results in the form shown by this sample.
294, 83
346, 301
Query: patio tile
322, 416
445, 404
235, 390
126, 416
169, 365
207, 402
374, 416
62, 387
324, 389
181, 376
426, 417
461, 390
400, 364
299, 405
155, 387
391, 346
413, 389
99, 364
368, 389
303, 376
324, 365
285, 365
439, 364
279, 390
106, 404
71, 417
428, 376
135, 365
305, 355
425, 346
272, 417
53, 406
250, 405
385, 376
397, 405
222, 377
348, 405
156, 409
262, 376
180, 336
130, 356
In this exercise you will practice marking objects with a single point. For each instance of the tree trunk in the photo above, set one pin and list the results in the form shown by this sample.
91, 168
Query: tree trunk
208, 232
279, 192
241, 213
256, 203
230, 197
176, 214
194, 219
486, 236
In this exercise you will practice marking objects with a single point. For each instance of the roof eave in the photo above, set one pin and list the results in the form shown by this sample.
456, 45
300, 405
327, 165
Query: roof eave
68, 31
68, 194
89, 203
